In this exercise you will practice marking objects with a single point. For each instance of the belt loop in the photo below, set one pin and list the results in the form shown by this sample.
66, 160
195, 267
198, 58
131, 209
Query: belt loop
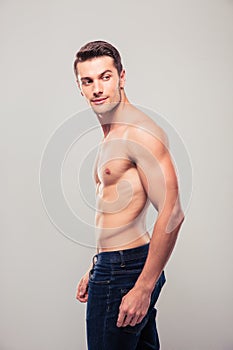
94, 260
122, 258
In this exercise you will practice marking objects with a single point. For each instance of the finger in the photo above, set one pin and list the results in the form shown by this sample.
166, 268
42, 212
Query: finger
139, 320
134, 321
83, 298
121, 318
127, 320
82, 289
81, 293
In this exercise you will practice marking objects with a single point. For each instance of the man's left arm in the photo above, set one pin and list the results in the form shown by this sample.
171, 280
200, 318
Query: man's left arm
157, 174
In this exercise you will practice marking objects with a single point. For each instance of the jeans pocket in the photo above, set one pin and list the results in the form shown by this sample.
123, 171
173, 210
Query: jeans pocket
98, 277
137, 328
151, 312
157, 289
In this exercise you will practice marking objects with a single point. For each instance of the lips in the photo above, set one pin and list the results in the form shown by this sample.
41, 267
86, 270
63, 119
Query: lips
98, 101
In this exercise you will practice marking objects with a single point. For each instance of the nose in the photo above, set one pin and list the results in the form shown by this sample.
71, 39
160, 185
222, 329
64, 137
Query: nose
97, 88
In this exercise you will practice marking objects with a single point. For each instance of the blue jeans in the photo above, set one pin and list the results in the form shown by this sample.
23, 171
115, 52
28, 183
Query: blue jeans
112, 276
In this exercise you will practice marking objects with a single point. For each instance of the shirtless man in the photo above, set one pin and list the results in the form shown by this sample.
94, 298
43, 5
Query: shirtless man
133, 168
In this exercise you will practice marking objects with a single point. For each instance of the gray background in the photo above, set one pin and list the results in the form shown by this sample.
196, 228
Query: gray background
178, 56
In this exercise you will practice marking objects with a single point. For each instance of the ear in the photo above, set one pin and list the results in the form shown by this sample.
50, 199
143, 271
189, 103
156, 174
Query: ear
122, 79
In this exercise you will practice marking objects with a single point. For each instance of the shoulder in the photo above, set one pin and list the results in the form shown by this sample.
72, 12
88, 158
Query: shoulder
146, 133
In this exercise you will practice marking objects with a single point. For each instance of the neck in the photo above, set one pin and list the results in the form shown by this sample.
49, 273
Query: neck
110, 120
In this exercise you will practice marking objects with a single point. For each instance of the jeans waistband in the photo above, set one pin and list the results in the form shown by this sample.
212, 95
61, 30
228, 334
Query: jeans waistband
121, 256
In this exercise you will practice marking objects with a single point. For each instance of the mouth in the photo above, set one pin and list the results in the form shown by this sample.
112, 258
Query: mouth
99, 101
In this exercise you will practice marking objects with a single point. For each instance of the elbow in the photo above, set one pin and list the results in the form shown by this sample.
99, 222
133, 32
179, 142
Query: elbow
175, 221
181, 216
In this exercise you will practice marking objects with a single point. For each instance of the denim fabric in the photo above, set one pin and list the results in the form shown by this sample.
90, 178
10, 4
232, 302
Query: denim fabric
112, 276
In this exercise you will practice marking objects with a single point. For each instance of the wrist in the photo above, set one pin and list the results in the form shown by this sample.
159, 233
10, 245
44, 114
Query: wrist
145, 286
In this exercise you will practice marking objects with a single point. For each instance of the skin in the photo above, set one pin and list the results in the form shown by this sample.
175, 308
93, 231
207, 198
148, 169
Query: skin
133, 168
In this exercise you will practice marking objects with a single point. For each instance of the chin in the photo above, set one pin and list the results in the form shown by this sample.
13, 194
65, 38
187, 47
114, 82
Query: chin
105, 108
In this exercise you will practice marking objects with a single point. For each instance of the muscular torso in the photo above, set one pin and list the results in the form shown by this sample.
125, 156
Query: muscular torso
121, 201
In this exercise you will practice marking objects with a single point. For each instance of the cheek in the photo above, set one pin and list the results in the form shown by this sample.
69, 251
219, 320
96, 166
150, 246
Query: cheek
114, 90
86, 92
113, 86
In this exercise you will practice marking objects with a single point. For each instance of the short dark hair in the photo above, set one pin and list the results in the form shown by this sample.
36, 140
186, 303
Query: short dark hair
98, 48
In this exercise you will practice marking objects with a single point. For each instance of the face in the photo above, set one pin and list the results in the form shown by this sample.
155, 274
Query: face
100, 83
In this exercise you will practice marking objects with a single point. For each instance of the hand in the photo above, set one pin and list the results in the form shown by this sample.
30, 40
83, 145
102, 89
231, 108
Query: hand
133, 308
82, 288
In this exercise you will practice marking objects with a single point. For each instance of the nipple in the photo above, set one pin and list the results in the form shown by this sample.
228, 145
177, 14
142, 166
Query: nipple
107, 171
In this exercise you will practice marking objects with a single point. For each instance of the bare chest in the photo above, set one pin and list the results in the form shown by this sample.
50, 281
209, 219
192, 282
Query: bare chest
112, 162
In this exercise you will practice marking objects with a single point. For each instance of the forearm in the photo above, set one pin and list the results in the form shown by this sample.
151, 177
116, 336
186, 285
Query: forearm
161, 246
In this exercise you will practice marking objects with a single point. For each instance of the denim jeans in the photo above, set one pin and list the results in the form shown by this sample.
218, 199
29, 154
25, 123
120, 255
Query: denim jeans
112, 276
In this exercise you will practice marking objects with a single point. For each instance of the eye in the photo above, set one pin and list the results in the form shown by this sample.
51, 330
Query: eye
86, 82
106, 77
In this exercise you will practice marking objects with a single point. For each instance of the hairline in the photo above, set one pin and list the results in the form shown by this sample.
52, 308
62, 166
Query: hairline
76, 62
92, 58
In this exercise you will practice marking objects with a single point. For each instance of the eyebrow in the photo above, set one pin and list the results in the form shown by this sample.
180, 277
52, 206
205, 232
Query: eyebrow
99, 76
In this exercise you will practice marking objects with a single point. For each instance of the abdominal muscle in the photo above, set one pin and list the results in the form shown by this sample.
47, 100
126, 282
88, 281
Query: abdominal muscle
121, 216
